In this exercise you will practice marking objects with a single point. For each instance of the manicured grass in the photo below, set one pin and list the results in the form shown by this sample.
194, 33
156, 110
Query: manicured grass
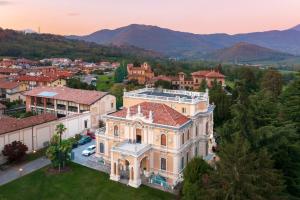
80, 183
105, 82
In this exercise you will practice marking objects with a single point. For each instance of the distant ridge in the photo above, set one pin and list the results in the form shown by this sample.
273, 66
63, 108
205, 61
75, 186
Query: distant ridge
244, 52
189, 45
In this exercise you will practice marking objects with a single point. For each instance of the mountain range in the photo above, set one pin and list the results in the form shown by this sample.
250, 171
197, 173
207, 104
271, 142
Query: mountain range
274, 44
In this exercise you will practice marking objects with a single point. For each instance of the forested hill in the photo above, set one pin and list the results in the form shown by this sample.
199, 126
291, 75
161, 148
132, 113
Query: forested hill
36, 46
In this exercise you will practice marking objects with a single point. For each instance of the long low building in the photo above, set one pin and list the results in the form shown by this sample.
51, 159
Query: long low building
64, 101
36, 131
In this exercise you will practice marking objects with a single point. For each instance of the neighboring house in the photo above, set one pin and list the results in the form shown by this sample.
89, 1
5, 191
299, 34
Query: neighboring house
10, 71
36, 131
11, 90
156, 134
196, 78
209, 76
64, 101
142, 74
37, 81
2, 109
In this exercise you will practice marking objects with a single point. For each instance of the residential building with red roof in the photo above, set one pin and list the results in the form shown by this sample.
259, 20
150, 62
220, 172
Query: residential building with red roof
156, 134
142, 74
41, 80
11, 90
64, 101
209, 76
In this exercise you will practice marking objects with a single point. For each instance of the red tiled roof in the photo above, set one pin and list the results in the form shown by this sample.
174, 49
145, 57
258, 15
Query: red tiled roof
162, 114
200, 73
209, 74
9, 70
87, 97
9, 84
37, 78
9, 124
214, 74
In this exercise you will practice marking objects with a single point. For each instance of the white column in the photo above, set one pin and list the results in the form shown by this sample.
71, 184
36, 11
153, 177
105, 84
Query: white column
136, 182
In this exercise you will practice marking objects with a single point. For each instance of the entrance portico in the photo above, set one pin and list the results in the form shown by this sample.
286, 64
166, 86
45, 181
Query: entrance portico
126, 162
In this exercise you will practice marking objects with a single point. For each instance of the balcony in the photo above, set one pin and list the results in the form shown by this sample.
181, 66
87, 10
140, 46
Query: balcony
73, 109
50, 105
130, 148
61, 107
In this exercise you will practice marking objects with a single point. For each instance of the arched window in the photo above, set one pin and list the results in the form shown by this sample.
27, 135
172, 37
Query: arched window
163, 140
101, 147
188, 134
197, 130
116, 130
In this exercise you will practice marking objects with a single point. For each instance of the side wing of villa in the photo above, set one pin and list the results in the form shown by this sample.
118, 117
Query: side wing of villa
156, 134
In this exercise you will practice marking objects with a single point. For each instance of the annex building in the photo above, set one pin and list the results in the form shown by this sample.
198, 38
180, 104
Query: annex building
64, 101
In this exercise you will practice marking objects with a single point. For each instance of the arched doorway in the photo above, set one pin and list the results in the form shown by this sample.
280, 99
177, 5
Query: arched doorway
124, 170
144, 166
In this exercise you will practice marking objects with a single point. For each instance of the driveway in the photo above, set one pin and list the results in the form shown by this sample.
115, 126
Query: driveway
89, 161
17, 171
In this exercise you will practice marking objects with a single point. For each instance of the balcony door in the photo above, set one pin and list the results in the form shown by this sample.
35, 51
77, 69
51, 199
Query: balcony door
138, 138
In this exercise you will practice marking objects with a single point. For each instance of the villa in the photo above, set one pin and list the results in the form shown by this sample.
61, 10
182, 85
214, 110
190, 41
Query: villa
155, 135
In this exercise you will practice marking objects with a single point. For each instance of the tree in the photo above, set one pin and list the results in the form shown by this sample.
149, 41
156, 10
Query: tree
222, 102
244, 174
15, 151
163, 84
272, 82
283, 144
58, 151
195, 177
290, 98
120, 74
117, 91
203, 86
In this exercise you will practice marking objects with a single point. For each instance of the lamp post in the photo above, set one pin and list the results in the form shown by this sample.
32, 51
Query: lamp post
20, 171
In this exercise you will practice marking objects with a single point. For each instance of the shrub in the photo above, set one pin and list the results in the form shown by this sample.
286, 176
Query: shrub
15, 151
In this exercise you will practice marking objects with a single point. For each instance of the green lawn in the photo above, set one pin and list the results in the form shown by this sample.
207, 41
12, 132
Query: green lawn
105, 82
80, 183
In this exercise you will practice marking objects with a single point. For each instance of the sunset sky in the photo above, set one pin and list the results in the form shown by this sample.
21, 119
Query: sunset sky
198, 16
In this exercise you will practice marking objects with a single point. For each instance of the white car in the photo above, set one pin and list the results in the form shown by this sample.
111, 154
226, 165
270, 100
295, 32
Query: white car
89, 151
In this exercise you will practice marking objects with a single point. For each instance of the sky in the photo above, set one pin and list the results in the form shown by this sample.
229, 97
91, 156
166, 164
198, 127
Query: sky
81, 17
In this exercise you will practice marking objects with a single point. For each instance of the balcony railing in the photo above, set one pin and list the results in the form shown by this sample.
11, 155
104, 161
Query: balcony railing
72, 109
61, 107
194, 97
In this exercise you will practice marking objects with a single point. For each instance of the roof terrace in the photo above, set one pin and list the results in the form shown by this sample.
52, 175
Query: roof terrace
169, 95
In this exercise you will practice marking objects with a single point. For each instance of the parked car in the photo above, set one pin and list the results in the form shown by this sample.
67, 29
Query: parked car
84, 139
91, 134
89, 151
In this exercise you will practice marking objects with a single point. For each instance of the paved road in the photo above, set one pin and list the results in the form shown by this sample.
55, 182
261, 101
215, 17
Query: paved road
14, 172
88, 161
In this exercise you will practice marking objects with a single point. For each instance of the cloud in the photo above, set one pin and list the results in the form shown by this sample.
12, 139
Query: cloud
4, 3
72, 14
